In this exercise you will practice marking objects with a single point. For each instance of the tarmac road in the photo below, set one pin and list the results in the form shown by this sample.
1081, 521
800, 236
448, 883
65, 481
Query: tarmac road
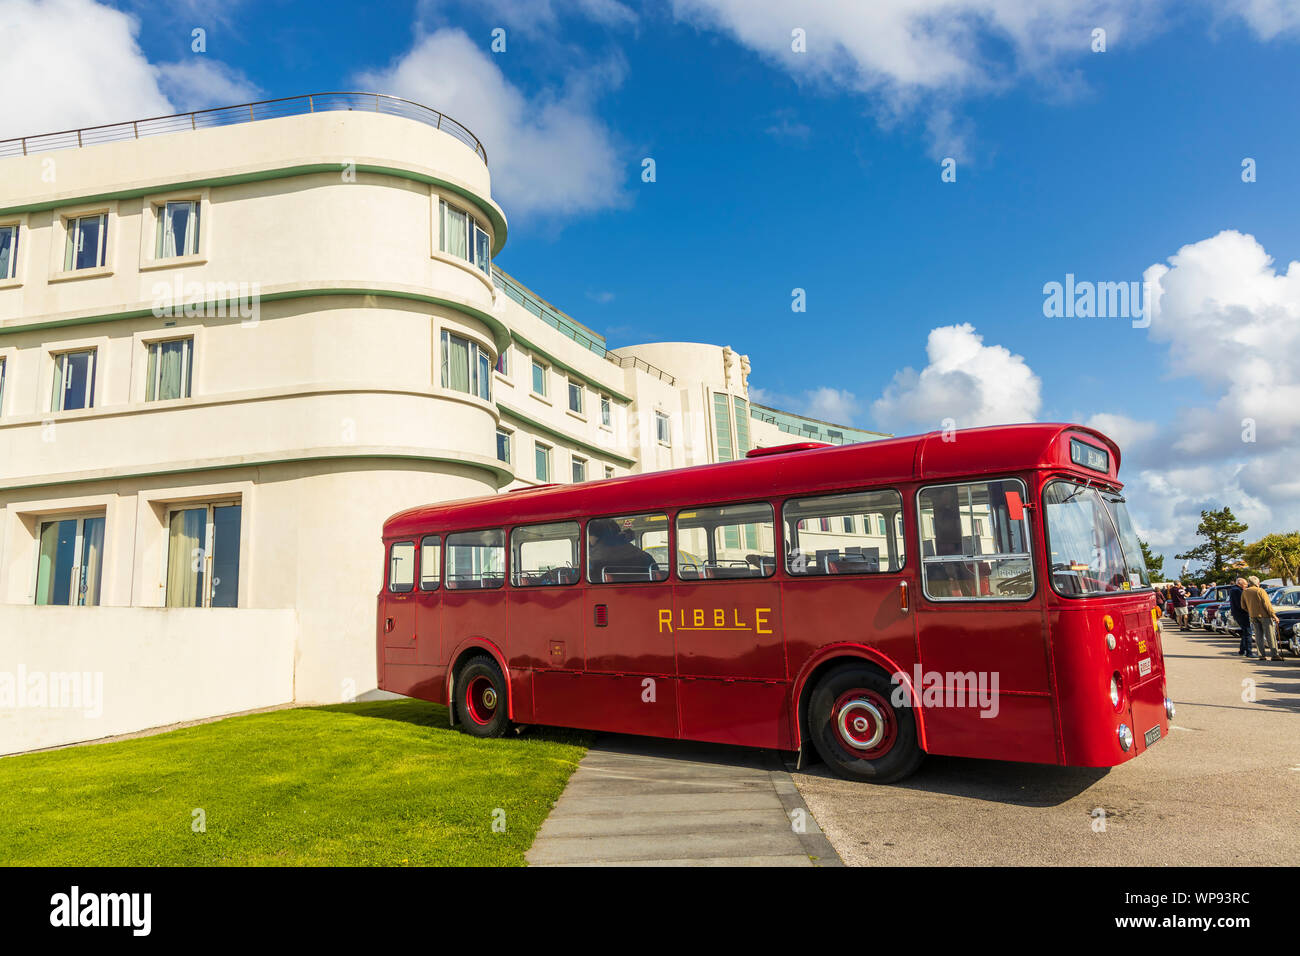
1223, 789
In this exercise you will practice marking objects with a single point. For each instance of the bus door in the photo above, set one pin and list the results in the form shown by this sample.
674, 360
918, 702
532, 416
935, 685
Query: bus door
430, 652
544, 622
985, 689
845, 559
726, 625
399, 604
630, 681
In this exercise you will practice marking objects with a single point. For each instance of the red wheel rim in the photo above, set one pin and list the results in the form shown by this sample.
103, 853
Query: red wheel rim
864, 723
481, 700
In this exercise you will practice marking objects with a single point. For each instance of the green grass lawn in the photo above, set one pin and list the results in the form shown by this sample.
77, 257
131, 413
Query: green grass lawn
381, 783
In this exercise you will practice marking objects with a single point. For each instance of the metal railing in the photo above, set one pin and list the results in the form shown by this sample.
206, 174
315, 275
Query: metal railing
243, 113
631, 361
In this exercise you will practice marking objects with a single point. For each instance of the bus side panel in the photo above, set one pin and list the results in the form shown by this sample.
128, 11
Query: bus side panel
616, 703
422, 683
544, 634
989, 646
747, 713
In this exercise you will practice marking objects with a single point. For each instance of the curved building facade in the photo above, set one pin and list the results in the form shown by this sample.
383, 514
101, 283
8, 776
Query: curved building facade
226, 355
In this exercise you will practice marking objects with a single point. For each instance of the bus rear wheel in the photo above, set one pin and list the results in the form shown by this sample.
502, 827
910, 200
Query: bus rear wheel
857, 730
481, 697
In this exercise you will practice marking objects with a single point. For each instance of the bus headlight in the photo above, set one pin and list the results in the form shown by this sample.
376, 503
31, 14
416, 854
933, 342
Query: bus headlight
1114, 690
1125, 737
1169, 708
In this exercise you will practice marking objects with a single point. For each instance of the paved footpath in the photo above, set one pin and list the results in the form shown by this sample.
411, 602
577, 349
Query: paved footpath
641, 802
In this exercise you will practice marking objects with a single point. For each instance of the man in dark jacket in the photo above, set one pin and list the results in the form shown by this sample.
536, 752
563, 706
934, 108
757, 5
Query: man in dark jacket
1178, 601
1240, 616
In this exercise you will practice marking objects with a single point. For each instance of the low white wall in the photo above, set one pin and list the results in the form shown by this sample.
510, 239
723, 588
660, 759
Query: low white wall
70, 674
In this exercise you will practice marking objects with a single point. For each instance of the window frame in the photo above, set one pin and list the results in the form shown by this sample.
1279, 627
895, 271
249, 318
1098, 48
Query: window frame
579, 390
446, 557
419, 569
73, 241
532, 383
162, 222
509, 436
58, 384
901, 535
209, 505
778, 540
187, 375
14, 249
473, 229
548, 453
474, 352
664, 419
391, 587
606, 412
578, 568
77, 571
670, 528
1028, 536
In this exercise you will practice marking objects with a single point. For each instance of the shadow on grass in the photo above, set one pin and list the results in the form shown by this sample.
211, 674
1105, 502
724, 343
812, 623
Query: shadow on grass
422, 713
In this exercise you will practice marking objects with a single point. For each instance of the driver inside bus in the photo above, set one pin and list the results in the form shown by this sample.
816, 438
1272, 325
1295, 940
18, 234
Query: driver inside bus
608, 550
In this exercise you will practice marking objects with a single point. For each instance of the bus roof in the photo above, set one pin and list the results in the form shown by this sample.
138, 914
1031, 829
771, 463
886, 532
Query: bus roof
928, 457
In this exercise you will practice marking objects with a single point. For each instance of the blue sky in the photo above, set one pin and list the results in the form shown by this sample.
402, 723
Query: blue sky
820, 170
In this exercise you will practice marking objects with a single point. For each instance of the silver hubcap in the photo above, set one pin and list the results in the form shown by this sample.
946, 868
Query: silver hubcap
856, 717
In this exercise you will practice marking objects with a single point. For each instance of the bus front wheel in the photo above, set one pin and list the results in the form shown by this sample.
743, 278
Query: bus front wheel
481, 698
857, 729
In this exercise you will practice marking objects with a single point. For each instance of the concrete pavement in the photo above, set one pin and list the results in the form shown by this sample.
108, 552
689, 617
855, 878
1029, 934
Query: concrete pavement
636, 801
1223, 789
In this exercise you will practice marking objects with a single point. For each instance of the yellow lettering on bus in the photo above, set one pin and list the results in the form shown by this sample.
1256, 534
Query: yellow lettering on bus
760, 618
719, 617
698, 615
665, 617
735, 616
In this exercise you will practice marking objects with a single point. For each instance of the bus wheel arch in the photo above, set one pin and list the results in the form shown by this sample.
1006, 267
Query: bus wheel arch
847, 714
456, 675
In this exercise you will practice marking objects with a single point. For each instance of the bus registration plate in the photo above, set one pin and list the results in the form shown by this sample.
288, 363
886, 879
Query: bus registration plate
1153, 735
1144, 667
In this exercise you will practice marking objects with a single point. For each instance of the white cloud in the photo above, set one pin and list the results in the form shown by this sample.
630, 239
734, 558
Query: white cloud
1267, 18
837, 406
200, 82
548, 153
1231, 321
965, 380
535, 16
81, 65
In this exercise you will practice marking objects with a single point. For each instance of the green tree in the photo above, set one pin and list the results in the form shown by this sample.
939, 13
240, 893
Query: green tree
1155, 562
1222, 546
1278, 554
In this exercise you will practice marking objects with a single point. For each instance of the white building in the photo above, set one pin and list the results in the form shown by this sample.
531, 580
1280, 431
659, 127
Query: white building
231, 344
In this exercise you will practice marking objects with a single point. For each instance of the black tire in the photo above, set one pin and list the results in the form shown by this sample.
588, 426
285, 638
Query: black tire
894, 756
482, 698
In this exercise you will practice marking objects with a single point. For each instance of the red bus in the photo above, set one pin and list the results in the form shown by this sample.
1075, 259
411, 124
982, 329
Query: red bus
976, 593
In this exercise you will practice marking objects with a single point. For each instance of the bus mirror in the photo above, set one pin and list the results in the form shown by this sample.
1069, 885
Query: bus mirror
1015, 507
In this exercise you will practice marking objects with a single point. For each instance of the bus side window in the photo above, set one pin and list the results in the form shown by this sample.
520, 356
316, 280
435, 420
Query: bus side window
476, 559
627, 549
401, 567
544, 554
971, 547
430, 562
857, 533
733, 541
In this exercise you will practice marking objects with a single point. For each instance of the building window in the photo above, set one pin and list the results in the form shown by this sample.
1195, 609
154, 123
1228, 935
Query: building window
8, 251
539, 378
503, 445
463, 237
466, 366
2, 385
503, 361
170, 366
203, 555
542, 461
742, 426
606, 417
609, 471
74, 381
663, 428
722, 425
70, 564
575, 397
87, 246
178, 229
579, 469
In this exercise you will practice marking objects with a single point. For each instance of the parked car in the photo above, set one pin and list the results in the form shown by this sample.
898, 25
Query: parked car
1196, 606
1287, 604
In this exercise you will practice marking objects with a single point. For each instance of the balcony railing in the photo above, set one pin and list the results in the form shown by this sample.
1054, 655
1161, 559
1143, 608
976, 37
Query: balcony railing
243, 113
631, 361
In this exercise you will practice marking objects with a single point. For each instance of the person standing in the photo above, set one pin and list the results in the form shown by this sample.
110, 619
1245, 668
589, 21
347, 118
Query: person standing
1263, 620
1238, 611
1178, 599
